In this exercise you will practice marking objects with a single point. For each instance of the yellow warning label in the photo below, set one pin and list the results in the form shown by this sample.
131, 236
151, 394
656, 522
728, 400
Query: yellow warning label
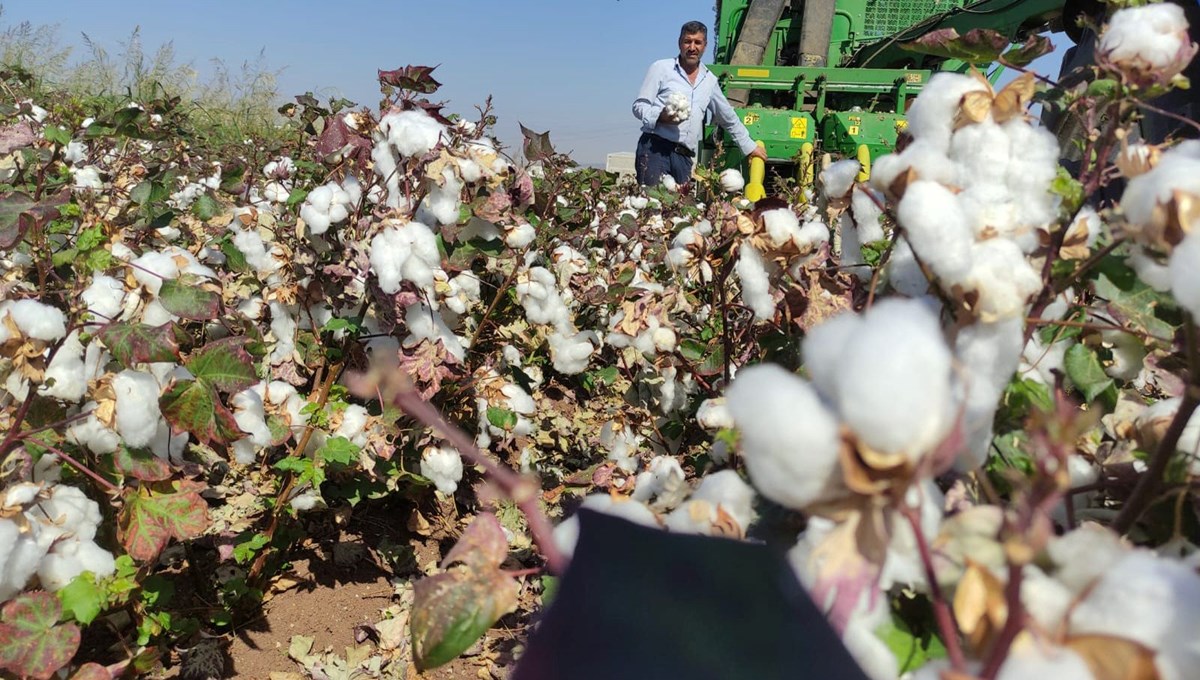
753, 73
912, 77
750, 119
852, 130
799, 128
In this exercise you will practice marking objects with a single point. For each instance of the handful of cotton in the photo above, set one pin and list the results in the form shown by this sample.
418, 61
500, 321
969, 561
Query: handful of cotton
679, 107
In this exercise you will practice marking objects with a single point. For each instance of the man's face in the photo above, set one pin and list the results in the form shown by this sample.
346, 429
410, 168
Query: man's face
691, 49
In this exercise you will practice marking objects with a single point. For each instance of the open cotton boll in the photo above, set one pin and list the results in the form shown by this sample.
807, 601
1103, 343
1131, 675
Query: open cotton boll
1150, 269
838, 178
34, 320
931, 116
74, 152
988, 354
937, 230
66, 377
1128, 354
519, 235
137, 407
1040, 361
790, 440
425, 323
823, 347
90, 433
713, 414
570, 353
1184, 270
283, 330
443, 467
731, 181
1152, 601
726, 490
413, 132
981, 153
1148, 44
566, 534
406, 252
756, 285
1040, 659
904, 273
70, 558
104, 297
353, 425
893, 379
678, 106
622, 445
1002, 277
868, 216
441, 203
781, 225
86, 178
926, 159
1085, 554
252, 247
663, 476
537, 290
1177, 170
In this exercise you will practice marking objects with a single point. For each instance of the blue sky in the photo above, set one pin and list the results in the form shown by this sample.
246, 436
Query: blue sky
570, 66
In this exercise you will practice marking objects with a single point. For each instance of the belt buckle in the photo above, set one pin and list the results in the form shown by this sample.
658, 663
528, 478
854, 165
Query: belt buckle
683, 150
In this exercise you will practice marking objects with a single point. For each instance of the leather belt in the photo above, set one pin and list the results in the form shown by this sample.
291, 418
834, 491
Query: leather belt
681, 149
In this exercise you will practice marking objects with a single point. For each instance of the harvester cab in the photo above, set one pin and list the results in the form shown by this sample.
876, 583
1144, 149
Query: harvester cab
813, 77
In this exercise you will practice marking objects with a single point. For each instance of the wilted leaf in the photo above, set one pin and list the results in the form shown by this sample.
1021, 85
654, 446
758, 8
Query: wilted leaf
150, 519
1034, 46
414, 78
92, 671
141, 464
223, 364
978, 46
537, 144
136, 343
193, 406
979, 605
1132, 302
186, 297
31, 642
482, 546
1085, 371
1113, 658
12, 227
452, 609
337, 135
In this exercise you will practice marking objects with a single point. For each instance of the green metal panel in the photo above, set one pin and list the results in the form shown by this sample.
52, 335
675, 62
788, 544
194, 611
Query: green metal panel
781, 131
843, 132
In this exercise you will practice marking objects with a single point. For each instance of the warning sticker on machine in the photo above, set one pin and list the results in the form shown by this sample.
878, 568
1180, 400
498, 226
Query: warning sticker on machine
799, 128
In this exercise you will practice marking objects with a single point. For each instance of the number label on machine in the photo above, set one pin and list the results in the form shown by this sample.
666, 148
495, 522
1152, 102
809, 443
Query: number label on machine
799, 128
750, 119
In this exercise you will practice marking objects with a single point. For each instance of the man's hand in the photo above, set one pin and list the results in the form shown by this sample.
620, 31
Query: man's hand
758, 152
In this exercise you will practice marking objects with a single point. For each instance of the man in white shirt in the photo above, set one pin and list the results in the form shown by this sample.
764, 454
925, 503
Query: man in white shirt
668, 145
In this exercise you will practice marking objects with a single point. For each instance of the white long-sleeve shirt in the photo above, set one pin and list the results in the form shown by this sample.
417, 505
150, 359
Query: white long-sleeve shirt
666, 76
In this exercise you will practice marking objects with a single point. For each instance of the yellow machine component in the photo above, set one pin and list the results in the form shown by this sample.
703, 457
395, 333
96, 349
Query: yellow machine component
755, 191
805, 173
864, 159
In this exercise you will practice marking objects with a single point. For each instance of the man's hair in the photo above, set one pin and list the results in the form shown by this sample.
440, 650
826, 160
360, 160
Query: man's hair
692, 28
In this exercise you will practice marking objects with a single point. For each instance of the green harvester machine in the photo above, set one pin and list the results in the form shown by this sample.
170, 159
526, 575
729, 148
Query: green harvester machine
830, 76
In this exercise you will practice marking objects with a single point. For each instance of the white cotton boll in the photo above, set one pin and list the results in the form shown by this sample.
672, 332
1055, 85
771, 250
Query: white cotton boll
1041, 660
305, 501
893, 382
66, 376
520, 235
441, 204
74, 152
713, 414
1003, 278
566, 534
443, 467
137, 407
1128, 354
1045, 599
731, 181
413, 132
937, 230
276, 192
678, 106
250, 415
425, 323
864, 203
669, 183
152, 268
86, 178
1084, 555
20, 555
823, 347
756, 285
790, 440
570, 353
1041, 361
1184, 270
902, 564
104, 297
981, 153
353, 425
988, 354
1150, 270
70, 558
91, 434
1152, 601
662, 476
404, 253
34, 319
904, 273
1149, 43
70, 512
838, 178
931, 116
726, 490
781, 225
1177, 170
664, 339
283, 330
19, 494
621, 444
251, 245
155, 314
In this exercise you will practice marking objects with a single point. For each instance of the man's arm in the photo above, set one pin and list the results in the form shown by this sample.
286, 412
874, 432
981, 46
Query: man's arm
728, 119
646, 107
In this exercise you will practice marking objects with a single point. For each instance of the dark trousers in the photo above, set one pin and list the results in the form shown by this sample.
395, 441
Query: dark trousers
657, 157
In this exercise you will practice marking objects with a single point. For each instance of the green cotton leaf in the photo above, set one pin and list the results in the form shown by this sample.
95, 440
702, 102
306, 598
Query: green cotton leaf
453, 609
82, 598
338, 450
911, 651
501, 418
297, 196
141, 464
32, 644
224, 364
151, 519
692, 350
336, 324
194, 406
607, 375
1034, 46
187, 297
234, 258
59, 136
248, 545
90, 238
157, 591
303, 468
872, 253
206, 207
1069, 188
978, 46
136, 343
1131, 302
1085, 371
